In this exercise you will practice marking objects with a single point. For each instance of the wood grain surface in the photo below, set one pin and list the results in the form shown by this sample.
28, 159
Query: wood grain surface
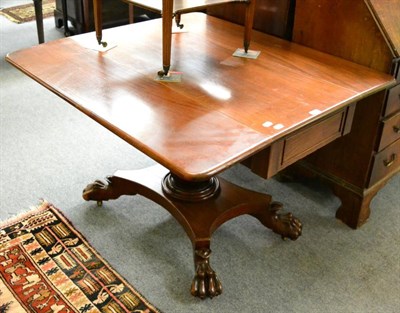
224, 110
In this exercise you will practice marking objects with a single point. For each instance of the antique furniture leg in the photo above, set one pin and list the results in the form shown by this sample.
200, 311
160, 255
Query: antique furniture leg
355, 209
67, 32
178, 20
205, 282
200, 207
39, 19
98, 21
167, 7
248, 23
131, 9
86, 12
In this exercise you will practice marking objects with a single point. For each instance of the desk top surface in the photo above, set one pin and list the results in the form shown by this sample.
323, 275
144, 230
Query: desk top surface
224, 110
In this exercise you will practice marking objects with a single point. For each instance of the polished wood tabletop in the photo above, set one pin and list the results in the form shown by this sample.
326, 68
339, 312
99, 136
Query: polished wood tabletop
225, 108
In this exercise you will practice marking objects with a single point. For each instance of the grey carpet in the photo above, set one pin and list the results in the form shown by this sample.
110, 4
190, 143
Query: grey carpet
50, 150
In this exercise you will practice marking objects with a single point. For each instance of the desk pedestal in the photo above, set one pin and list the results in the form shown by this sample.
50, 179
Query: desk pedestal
200, 207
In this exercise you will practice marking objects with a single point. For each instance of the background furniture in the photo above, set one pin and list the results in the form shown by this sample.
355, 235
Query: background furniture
365, 32
80, 14
271, 16
173, 9
274, 17
39, 19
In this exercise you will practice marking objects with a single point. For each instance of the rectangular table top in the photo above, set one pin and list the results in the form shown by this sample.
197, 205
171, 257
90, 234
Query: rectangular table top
225, 109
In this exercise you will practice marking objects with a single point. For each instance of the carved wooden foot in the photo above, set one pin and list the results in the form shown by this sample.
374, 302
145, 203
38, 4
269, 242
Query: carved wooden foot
284, 224
112, 188
354, 209
355, 204
205, 282
178, 21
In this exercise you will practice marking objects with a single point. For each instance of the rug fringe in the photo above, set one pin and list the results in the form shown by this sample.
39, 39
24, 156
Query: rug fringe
42, 205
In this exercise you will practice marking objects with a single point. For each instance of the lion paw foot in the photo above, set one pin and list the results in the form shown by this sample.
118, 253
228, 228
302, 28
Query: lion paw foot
98, 190
205, 282
286, 225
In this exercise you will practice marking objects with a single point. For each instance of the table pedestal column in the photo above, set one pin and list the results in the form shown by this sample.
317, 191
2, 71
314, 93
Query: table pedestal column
200, 207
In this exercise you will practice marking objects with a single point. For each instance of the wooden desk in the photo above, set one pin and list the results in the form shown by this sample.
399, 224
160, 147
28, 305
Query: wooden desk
287, 103
365, 32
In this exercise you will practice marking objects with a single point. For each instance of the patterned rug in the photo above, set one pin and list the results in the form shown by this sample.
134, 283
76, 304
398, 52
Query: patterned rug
48, 266
26, 12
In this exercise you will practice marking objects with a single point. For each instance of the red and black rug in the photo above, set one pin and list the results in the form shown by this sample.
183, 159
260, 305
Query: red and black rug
48, 266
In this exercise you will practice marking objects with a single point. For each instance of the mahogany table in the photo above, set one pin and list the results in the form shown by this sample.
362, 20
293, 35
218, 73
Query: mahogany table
287, 103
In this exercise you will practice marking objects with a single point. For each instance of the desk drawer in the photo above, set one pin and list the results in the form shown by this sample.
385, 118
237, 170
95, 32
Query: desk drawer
386, 162
301, 143
311, 138
391, 131
393, 100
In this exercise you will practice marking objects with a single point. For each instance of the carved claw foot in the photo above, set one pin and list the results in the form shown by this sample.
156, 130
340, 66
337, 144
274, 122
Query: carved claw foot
205, 282
98, 191
178, 21
285, 224
112, 188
